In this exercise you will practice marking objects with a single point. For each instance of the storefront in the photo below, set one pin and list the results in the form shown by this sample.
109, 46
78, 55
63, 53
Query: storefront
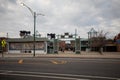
25, 45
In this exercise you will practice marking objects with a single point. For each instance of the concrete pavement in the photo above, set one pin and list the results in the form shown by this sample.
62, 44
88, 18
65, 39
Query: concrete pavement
66, 55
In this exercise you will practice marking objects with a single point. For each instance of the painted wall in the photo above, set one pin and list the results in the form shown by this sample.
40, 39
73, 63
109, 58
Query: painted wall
26, 47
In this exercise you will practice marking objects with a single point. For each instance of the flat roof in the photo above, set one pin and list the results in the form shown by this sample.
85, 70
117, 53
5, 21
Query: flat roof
25, 39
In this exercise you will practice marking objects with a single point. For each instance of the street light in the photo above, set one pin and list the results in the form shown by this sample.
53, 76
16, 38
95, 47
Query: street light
34, 16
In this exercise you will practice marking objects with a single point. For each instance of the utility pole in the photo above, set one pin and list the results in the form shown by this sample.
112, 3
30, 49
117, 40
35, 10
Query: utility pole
75, 39
34, 16
34, 34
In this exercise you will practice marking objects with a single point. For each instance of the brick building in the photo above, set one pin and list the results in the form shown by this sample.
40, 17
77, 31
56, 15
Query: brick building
117, 40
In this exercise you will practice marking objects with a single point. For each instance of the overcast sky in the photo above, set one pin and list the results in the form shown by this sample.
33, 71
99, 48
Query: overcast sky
60, 16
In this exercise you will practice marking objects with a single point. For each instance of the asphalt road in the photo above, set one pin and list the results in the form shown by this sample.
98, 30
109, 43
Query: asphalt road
59, 69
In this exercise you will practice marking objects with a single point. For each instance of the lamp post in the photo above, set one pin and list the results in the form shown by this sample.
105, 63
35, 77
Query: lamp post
34, 16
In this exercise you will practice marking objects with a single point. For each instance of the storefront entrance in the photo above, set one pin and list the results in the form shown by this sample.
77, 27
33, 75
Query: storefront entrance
67, 46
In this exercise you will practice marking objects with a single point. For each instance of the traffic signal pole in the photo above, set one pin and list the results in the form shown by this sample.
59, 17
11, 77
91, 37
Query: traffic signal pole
34, 41
2, 52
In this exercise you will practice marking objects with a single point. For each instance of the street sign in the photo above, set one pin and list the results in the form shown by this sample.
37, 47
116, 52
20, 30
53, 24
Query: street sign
3, 42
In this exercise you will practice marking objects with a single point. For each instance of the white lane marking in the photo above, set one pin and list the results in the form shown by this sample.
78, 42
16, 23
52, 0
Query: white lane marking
54, 77
57, 74
97, 61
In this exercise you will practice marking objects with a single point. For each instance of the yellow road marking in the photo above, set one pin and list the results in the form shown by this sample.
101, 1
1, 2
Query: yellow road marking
54, 62
20, 61
58, 62
63, 62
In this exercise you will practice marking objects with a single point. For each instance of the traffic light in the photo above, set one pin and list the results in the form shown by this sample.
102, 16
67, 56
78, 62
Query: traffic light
24, 33
51, 35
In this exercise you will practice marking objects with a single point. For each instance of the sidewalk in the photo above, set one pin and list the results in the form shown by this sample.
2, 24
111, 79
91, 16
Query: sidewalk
108, 55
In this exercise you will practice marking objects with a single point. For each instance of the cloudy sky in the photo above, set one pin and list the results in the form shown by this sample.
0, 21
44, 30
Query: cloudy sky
60, 16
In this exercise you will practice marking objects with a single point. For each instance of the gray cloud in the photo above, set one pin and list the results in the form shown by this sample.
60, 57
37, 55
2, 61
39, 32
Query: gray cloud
108, 9
60, 16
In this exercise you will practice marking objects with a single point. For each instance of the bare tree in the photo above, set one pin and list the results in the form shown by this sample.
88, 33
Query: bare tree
117, 37
98, 42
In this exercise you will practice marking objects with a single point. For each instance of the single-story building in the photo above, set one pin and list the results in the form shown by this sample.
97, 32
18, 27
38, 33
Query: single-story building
25, 45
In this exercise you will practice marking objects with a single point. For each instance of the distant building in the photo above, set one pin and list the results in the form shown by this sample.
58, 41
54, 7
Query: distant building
110, 46
117, 40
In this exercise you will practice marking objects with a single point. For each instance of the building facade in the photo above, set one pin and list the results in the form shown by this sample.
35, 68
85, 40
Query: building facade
25, 45
117, 40
45, 45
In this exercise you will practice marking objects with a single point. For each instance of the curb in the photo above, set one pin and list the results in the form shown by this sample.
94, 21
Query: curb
93, 55
82, 57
